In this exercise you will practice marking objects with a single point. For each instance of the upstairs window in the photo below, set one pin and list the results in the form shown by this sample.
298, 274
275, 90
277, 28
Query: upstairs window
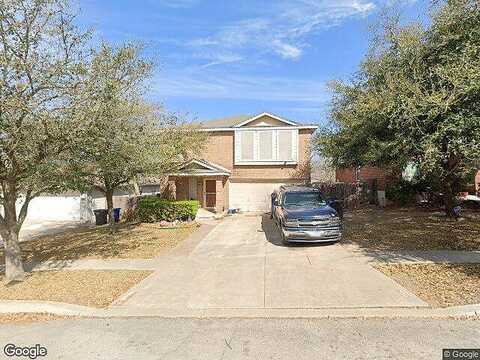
247, 138
256, 147
285, 144
265, 145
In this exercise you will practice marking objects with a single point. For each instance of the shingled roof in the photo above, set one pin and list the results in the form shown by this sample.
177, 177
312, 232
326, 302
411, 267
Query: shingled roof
225, 122
241, 120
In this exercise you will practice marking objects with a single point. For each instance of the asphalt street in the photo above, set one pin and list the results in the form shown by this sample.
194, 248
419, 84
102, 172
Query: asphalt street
161, 338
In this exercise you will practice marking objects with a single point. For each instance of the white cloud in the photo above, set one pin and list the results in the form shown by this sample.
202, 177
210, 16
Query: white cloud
283, 28
175, 3
219, 58
211, 84
287, 51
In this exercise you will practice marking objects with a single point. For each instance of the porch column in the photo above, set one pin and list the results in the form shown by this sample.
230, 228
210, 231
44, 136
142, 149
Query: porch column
220, 196
200, 191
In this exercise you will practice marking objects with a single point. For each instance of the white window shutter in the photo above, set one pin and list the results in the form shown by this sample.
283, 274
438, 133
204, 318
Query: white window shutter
256, 146
295, 145
274, 144
238, 147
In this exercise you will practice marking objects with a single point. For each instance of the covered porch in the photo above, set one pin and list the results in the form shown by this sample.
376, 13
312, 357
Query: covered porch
203, 181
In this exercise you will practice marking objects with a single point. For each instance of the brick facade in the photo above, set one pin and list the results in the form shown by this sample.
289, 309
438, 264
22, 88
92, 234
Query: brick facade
220, 150
221, 187
350, 175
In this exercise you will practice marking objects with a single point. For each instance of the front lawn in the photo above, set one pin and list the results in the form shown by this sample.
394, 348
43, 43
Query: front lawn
438, 284
23, 318
95, 288
139, 241
410, 229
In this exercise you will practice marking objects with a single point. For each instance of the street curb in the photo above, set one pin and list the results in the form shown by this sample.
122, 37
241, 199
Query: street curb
58, 308
51, 307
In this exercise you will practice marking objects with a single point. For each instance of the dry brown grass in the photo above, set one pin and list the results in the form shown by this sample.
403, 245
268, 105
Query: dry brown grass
95, 288
23, 318
438, 284
129, 242
410, 229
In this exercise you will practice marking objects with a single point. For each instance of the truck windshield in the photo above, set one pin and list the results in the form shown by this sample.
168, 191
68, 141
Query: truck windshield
306, 199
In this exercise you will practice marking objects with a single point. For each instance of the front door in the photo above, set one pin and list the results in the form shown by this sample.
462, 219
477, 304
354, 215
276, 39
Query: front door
210, 193
192, 188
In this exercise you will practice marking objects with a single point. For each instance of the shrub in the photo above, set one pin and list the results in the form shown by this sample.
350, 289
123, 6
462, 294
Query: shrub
154, 209
401, 192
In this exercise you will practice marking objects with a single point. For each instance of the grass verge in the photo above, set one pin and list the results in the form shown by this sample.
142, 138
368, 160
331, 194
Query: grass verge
94, 288
410, 229
24, 318
439, 285
131, 241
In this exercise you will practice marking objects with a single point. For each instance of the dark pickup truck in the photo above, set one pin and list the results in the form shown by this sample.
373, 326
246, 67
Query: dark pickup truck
303, 215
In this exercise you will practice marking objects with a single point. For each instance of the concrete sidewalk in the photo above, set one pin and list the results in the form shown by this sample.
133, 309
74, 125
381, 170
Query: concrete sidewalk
241, 264
431, 256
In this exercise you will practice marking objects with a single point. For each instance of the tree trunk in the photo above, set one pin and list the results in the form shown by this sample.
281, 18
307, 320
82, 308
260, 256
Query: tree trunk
136, 187
9, 230
14, 270
111, 219
449, 200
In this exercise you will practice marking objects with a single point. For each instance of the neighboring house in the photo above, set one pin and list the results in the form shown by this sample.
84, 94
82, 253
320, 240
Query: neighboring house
244, 160
378, 177
74, 206
362, 174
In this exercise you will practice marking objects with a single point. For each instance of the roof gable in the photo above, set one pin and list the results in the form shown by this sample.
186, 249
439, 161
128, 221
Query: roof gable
201, 167
266, 119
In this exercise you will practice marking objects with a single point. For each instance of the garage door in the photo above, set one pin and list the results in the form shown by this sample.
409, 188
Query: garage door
251, 196
55, 208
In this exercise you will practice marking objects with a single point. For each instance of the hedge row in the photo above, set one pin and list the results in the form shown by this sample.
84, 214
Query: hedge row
153, 209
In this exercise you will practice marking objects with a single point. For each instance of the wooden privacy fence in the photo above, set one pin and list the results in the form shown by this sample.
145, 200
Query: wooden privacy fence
352, 195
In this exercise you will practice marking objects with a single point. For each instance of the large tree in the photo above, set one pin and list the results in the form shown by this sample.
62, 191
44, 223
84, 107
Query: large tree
416, 98
40, 60
124, 137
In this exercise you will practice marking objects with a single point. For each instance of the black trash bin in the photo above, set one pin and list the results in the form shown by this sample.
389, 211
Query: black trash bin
116, 214
100, 216
338, 206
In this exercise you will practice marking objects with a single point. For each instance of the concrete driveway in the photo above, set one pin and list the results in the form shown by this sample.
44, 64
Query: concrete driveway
34, 229
242, 264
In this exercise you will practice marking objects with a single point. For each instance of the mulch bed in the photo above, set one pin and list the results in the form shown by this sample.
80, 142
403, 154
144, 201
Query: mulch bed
410, 229
439, 285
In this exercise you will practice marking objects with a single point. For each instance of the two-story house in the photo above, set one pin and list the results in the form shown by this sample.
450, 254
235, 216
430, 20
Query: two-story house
244, 160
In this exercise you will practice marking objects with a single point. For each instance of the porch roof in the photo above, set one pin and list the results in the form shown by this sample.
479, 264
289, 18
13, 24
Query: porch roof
200, 167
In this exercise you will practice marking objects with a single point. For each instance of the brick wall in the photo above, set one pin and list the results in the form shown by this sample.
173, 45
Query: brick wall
349, 175
220, 150
221, 187
220, 196
181, 188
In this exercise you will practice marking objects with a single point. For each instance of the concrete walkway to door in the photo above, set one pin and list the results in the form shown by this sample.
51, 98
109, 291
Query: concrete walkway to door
241, 264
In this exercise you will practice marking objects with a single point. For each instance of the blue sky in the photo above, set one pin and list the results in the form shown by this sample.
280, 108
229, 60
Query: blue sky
222, 58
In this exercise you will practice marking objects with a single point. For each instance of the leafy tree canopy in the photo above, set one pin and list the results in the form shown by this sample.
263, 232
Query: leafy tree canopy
416, 98
123, 137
